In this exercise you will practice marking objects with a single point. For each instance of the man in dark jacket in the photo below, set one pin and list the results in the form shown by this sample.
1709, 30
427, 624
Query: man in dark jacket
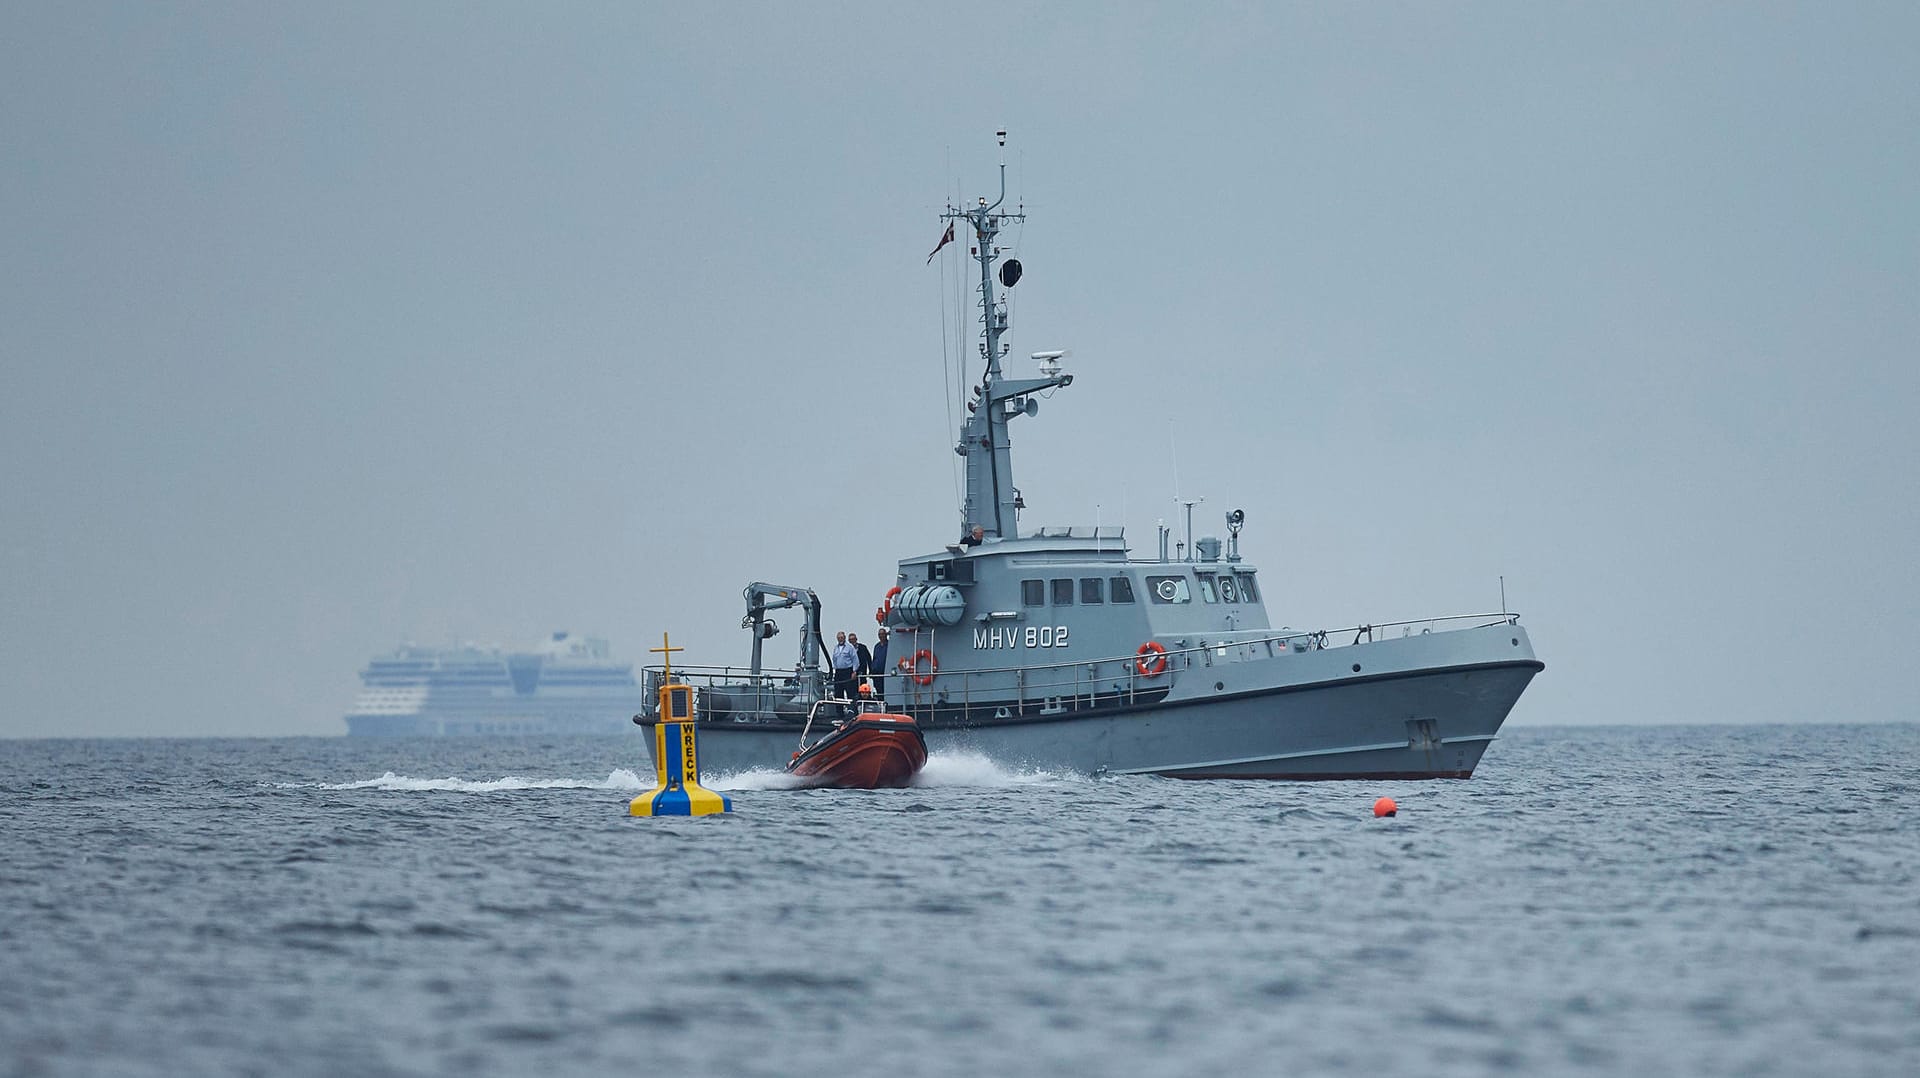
879, 676
866, 663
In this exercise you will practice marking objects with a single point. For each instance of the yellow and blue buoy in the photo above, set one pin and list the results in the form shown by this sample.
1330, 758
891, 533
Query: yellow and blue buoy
679, 792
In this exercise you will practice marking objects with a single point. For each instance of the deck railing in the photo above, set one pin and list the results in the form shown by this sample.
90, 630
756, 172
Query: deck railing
1045, 688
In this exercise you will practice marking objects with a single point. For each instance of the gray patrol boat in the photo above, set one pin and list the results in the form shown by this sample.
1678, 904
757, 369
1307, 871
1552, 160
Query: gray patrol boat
1057, 649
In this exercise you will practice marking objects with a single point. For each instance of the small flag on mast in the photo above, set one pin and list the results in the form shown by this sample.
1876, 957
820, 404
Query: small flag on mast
945, 238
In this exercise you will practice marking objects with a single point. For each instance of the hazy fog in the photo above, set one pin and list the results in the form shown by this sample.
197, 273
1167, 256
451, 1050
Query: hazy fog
325, 327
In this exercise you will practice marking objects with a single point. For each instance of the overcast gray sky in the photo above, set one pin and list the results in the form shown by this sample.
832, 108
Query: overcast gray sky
325, 327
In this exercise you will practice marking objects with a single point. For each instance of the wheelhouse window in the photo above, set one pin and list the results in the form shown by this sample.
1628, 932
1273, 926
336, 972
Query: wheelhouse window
1169, 589
1121, 589
1033, 593
1206, 589
1092, 590
1247, 591
1228, 592
1063, 592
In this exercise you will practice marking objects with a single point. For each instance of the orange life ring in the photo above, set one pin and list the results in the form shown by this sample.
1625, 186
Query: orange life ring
911, 667
1152, 659
886, 605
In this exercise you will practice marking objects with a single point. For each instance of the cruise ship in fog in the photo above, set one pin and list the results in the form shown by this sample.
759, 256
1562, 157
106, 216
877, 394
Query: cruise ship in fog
568, 685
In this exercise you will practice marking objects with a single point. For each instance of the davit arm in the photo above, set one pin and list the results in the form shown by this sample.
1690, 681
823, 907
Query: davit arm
762, 598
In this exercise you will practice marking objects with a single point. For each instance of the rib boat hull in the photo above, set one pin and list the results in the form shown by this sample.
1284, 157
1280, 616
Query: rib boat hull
872, 752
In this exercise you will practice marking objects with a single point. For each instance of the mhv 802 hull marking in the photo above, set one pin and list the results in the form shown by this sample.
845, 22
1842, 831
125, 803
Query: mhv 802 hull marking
1033, 636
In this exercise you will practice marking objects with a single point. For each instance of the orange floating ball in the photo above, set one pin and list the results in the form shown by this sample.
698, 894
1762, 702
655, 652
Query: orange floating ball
1385, 807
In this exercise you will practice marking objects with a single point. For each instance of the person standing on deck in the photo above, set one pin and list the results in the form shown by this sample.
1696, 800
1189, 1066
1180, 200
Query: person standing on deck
879, 677
845, 661
866, 661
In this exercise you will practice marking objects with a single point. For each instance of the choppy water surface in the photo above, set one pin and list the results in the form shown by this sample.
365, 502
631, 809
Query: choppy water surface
1628, 901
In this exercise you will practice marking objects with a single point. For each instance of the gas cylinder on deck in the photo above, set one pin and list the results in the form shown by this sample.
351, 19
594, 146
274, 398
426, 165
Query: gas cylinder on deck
930, 605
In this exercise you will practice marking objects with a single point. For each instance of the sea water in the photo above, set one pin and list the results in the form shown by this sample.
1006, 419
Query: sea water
1619, 900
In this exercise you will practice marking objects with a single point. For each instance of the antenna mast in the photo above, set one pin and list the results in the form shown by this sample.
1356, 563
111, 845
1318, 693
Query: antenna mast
1189, 503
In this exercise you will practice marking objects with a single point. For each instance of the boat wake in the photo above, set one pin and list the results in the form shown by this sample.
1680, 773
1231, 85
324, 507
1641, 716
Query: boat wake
973, 769
944, 769
758, 778
618, 779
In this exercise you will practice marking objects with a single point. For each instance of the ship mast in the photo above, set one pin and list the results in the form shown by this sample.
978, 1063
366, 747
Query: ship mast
991, 506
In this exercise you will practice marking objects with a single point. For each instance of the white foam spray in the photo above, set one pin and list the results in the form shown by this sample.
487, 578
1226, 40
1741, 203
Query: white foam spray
944, 769
618, 779
756, 778
963, 768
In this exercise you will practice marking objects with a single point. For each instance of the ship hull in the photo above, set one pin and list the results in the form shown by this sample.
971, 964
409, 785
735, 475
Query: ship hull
1410, 724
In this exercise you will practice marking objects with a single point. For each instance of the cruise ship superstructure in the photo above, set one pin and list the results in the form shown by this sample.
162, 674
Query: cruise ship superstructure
567, 685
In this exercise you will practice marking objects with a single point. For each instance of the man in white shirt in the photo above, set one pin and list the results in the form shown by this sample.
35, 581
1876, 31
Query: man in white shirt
845, 662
